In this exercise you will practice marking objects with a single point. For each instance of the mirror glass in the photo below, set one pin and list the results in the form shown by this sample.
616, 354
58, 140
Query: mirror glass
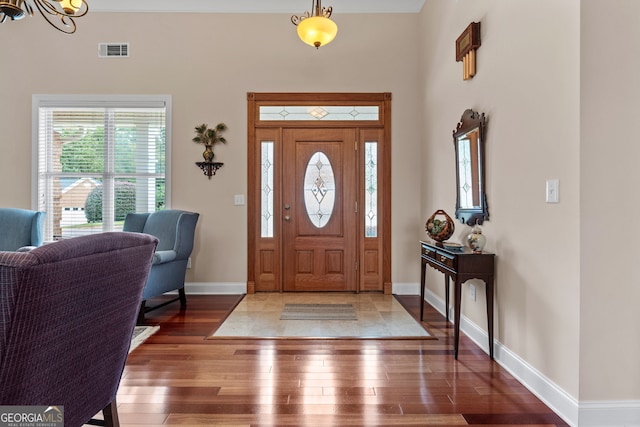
468, 140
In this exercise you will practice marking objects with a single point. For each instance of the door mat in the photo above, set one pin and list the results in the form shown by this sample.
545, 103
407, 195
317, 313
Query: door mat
318, 312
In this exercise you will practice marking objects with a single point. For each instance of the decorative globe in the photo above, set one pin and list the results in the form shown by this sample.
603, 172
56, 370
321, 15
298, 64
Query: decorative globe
439, 226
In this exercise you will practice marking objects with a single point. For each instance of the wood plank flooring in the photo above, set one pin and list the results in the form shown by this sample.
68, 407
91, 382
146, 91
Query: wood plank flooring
177, 377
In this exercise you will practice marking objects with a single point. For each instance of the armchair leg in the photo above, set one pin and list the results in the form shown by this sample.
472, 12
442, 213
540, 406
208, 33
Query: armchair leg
143, 307
183, 297
140, 320
110, 413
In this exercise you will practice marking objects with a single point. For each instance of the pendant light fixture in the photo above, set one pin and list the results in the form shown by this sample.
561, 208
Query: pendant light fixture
59, 13
314, 27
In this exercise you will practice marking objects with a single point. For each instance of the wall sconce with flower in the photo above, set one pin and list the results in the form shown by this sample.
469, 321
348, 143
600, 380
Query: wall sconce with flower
209, 137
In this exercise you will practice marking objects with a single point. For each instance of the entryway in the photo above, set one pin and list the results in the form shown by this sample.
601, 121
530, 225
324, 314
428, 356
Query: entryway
319, 192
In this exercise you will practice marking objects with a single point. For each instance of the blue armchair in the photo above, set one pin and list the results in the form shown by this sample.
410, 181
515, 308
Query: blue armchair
175, 230
20, 228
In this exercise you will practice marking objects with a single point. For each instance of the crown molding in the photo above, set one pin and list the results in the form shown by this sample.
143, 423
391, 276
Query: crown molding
253, 6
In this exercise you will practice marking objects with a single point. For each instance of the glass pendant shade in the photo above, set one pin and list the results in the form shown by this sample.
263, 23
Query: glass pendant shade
12, 9
317, 31
70, 6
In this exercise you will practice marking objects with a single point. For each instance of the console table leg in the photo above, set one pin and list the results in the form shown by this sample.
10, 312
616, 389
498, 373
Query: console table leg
446, 297
457, 300
422, 279
489, 287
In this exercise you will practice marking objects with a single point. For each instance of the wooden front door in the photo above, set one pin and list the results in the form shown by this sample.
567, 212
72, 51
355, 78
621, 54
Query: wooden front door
319, 218
319, 192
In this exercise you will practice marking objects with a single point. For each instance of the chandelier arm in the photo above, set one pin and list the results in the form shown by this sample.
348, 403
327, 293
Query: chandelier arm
297, 19
58, 21
80, 8
61, 20
29, 9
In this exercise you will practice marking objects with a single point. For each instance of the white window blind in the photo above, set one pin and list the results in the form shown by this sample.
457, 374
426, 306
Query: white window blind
97, 160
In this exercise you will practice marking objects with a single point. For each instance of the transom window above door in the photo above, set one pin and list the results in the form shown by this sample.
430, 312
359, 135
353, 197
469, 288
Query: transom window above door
324, 113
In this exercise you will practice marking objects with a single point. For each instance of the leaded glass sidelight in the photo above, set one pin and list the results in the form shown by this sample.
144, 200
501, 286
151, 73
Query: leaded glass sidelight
266, 185
319, 189
371, 189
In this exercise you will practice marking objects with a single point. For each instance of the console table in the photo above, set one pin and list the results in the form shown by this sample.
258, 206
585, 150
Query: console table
459, 265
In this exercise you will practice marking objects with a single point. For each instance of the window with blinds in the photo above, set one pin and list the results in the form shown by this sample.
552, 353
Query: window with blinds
98, 159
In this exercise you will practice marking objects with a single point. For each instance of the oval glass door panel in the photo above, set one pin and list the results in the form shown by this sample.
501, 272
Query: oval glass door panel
319, 189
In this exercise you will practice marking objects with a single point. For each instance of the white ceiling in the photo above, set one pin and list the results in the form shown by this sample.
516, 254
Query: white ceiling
255, 6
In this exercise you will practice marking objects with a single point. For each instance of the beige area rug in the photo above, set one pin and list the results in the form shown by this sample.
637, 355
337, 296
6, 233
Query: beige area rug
140, 334
378, 316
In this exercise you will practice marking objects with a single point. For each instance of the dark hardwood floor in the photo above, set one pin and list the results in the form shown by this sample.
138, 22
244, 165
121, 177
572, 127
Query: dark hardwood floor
177, 377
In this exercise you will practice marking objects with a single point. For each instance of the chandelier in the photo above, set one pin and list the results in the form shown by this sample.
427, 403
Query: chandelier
59, 13
314, 27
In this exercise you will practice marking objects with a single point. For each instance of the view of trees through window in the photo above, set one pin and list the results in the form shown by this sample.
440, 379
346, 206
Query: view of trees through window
96, 165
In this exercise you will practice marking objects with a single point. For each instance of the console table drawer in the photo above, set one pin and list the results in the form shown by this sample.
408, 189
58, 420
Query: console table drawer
446, 259
441, 258
428, 252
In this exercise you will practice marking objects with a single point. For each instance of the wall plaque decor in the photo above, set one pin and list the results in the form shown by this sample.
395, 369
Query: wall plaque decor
466, 46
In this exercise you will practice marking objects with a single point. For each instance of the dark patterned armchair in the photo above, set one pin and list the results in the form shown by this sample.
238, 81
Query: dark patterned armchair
67, 313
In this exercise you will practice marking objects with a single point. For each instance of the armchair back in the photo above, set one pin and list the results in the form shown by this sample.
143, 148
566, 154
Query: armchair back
174, 229
19, 228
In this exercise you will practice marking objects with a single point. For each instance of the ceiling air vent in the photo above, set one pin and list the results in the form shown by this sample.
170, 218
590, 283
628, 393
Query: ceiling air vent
113, 50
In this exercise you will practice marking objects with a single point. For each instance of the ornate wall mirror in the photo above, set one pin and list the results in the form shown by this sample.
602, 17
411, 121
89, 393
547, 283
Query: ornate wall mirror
468, 139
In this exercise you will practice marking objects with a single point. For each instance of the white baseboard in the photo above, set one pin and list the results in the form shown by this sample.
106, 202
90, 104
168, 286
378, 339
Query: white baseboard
575, 413
238, 288
610, 414
405, 288
217, 288
553, 396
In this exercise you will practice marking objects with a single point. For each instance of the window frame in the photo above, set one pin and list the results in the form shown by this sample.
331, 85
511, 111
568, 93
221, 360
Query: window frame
98, 101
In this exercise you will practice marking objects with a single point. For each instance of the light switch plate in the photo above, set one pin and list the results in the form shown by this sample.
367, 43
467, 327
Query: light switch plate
238, 199
553, 189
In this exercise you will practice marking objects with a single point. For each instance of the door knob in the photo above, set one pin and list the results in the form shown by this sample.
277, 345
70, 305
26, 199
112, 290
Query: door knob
287, 207
287, 218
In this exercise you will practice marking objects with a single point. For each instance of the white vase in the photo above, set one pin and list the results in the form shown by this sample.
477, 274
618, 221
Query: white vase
476, 239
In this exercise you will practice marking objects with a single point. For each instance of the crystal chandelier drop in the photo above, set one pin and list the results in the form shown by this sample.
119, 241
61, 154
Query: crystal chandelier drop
314, 27
59, 13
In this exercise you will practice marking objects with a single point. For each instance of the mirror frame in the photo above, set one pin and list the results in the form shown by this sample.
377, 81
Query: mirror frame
469, 121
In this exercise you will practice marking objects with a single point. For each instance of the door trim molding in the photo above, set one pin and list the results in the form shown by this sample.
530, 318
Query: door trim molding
268, 251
